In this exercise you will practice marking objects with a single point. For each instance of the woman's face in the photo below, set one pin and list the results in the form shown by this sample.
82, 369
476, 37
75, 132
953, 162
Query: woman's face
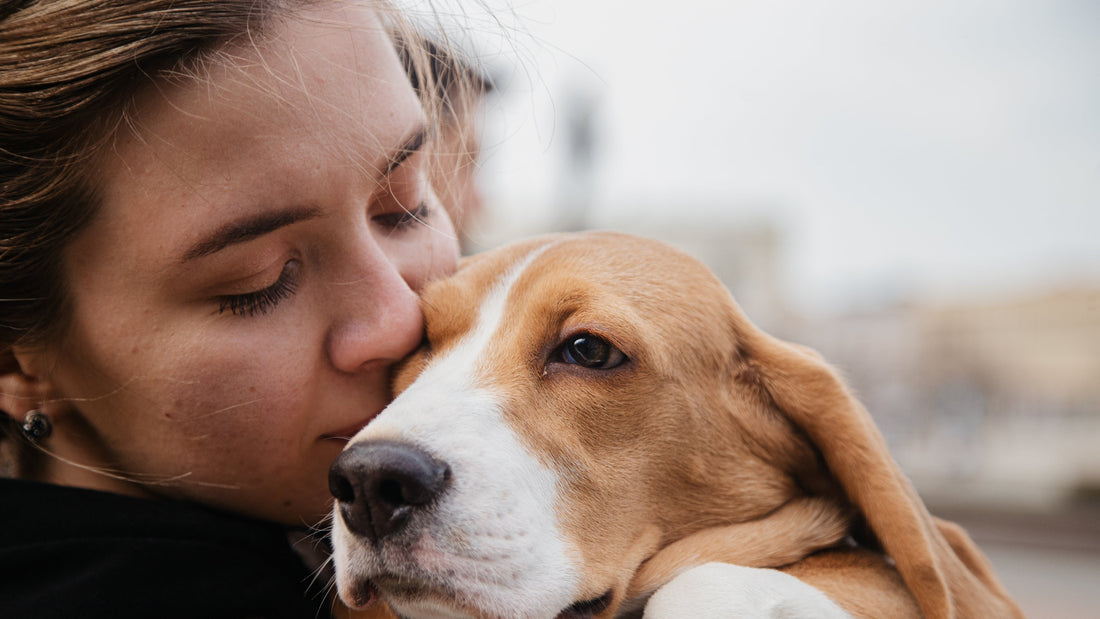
251, 277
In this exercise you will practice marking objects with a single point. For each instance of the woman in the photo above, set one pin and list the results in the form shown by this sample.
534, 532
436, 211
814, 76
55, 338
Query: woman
214, 222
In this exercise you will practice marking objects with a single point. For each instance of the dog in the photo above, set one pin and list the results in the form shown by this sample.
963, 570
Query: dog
592, 428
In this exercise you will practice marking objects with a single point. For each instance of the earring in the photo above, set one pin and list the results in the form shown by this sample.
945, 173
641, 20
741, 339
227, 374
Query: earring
36, 425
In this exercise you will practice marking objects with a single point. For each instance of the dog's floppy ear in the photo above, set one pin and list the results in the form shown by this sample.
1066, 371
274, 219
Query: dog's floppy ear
940, 565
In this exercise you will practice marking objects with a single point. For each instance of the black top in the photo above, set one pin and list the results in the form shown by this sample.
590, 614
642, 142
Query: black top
70, 552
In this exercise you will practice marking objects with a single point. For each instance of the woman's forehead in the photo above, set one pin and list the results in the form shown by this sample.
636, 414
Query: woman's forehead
334, 69
313, 95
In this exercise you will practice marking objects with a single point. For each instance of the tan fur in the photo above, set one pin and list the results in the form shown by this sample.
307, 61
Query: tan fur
861, 581
715, 442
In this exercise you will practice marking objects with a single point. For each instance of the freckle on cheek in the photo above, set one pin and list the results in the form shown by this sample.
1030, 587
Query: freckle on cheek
134, 350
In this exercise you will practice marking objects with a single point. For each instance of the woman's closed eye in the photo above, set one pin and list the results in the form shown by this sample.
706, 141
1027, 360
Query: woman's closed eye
264, 300
404, 219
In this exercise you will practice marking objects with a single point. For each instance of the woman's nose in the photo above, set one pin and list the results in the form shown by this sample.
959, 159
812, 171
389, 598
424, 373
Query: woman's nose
378, 320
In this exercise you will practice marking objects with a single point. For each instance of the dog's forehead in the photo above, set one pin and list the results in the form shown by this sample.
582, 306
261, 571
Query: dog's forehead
592, 264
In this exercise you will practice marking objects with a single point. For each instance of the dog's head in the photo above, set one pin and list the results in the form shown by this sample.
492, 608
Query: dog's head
581, 405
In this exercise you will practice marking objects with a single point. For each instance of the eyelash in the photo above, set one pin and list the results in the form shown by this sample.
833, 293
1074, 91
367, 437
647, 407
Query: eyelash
405, 219
262, 301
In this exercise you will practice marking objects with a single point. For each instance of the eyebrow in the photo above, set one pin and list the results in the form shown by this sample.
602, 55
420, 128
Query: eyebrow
247, 229
413, 143
259, 225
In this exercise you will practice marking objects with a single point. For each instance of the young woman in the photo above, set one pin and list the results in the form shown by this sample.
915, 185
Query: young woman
214, 221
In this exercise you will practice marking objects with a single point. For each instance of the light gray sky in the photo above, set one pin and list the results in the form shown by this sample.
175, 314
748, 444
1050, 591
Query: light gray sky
938, 146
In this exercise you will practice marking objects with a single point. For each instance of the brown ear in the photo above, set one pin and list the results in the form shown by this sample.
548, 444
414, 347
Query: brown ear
941, 566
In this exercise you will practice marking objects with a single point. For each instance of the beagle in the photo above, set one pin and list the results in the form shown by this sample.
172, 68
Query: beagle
592, 428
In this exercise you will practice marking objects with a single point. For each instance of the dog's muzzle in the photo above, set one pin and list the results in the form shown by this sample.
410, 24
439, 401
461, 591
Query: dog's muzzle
380, 484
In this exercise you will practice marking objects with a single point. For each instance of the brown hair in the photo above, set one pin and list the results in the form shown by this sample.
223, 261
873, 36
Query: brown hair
69, 73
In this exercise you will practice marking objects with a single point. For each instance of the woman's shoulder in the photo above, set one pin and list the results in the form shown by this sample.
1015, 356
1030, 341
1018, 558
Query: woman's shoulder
75, 552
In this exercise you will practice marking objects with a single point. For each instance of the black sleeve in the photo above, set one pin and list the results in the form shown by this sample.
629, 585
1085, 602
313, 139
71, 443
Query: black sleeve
72, 553
152, 578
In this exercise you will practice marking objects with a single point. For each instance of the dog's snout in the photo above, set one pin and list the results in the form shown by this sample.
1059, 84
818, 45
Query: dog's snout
379, 484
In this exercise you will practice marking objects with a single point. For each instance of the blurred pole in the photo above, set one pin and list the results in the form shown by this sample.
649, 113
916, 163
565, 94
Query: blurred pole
574, 186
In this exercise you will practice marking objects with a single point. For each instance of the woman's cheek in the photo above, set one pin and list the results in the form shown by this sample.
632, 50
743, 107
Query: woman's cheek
238, 383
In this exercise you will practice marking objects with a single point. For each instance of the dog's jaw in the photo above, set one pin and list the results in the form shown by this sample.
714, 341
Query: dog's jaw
491, 546
491, 542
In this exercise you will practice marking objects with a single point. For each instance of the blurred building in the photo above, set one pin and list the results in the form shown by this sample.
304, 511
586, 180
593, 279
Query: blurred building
993, 402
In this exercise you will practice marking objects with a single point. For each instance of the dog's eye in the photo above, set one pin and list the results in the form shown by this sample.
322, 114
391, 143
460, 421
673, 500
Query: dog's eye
589, 351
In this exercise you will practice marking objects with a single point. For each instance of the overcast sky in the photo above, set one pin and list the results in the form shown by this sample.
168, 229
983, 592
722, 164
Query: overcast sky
942, 146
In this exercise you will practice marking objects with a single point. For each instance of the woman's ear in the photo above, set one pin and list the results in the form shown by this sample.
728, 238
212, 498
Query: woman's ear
23, 386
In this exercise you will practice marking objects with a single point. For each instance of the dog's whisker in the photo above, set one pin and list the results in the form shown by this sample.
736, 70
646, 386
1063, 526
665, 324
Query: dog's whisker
323, 570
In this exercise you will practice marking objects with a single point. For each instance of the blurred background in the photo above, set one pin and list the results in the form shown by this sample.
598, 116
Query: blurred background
912, 187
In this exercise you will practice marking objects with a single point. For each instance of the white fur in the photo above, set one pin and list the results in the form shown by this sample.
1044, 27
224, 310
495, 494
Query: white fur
724, 591
493, 536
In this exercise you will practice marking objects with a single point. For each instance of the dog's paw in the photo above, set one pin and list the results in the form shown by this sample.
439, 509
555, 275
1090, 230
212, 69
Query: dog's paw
721, 590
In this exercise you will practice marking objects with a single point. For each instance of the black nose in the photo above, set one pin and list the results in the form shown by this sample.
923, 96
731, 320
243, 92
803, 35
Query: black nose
379, 484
